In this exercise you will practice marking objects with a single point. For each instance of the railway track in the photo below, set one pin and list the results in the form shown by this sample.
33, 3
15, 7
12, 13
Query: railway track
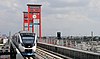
31, 58
46, 54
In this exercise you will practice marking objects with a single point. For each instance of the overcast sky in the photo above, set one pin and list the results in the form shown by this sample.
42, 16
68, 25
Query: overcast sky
71, 17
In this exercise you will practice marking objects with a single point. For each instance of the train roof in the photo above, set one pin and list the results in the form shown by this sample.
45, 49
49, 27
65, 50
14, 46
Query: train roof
25, 32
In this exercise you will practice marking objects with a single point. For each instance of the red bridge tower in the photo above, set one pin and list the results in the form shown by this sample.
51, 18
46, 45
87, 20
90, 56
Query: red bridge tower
32, 18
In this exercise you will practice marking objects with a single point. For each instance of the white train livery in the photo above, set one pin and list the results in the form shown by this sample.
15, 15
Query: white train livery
26, 42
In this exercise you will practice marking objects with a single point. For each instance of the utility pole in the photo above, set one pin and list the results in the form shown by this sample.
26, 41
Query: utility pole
92, 40
9, 38
92, 35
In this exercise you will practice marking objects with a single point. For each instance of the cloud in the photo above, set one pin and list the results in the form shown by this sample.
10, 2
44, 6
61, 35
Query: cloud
68, 16
10, 16
72, 23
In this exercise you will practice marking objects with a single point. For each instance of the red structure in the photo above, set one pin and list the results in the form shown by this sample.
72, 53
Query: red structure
25, 23
32, 18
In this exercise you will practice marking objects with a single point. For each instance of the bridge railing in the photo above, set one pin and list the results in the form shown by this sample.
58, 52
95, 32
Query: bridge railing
70, 52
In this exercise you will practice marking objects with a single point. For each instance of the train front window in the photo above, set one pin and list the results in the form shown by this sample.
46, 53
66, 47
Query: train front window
28, 39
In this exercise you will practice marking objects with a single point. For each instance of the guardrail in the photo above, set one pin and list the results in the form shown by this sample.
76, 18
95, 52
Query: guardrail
70, 52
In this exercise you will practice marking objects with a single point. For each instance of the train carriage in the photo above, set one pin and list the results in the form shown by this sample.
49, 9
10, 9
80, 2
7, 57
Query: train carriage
26, 42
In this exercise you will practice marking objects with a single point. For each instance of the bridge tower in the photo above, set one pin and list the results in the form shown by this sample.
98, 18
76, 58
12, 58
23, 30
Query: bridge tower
32, 19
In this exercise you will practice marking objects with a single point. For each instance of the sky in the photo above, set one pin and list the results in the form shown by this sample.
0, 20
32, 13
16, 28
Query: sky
70, 17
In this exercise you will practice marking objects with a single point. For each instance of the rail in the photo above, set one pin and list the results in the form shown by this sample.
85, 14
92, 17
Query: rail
46, 55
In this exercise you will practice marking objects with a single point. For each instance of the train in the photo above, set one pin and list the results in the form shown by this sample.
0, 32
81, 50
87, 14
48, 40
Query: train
25, 42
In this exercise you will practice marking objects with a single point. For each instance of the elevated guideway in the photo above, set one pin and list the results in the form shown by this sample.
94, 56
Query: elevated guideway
69, 52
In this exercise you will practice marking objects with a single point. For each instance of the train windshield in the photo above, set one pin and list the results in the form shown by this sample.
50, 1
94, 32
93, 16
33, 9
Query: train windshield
28, 39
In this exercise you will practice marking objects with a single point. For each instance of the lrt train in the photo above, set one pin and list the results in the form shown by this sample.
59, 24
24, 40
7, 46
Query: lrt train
25, 42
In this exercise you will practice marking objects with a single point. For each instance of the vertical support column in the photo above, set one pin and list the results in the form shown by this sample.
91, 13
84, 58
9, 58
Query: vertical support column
28, 18
23, 21
33, 25
40, 26
23, 26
